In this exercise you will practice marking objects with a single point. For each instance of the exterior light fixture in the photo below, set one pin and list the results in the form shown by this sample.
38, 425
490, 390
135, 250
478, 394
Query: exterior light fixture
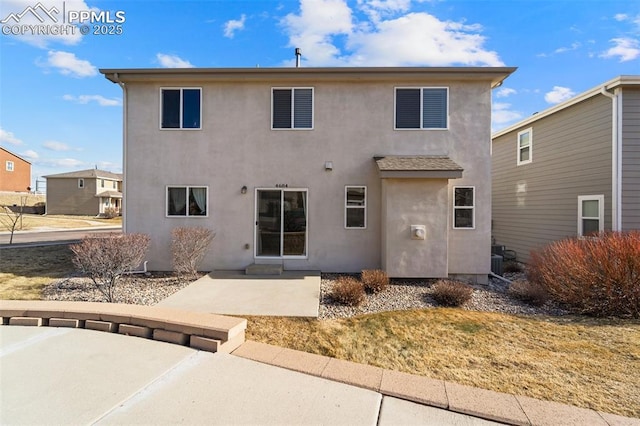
328, 165
243, 190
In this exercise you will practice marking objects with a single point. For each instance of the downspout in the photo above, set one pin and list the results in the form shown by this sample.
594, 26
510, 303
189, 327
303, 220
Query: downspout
124, 150
616, 159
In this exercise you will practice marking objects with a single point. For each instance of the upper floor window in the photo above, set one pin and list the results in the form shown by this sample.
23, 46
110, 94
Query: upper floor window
187, 200
422, 108
292, 108
80, 183
101, 183
463, 207
180, 108
590, 215
525, 146
9, 166
355, 203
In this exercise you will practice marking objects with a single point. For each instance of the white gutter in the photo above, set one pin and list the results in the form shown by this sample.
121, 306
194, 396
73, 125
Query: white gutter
616, 157
124, 152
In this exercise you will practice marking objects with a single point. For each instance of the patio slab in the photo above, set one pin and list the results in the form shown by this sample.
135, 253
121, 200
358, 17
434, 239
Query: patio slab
292, 294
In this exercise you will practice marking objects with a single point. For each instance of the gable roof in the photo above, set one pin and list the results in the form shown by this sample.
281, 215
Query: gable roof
15, 155
493, 74
620, 81
88, 174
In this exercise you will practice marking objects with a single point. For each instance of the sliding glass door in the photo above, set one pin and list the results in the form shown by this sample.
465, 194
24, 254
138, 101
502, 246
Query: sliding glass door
281, 223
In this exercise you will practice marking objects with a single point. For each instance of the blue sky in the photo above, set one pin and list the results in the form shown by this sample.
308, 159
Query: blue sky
60, 113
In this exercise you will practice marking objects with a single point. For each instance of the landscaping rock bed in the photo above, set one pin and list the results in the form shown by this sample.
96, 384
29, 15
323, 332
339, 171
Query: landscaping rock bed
400, 295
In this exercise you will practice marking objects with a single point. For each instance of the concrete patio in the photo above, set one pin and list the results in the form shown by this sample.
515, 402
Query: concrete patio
292, 294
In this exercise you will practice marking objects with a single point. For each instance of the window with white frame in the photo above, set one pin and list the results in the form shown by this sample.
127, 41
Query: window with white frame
180, 108
80, 183
422, 108
525, 146
187, 200
590, 215
355, 205
463, 207
9, 166
292, 108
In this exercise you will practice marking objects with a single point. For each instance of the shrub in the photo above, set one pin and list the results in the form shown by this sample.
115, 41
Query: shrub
375, 280
596, 276
348, 290
188, 246
512, 266
529, 292
451, 293
110, 212
106, 259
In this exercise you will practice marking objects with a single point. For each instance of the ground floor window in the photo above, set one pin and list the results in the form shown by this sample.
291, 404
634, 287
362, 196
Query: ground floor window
463, 207
187, 200
590, 214
355, 205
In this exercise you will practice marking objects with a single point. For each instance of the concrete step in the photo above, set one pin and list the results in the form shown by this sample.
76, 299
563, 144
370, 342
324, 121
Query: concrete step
261, 269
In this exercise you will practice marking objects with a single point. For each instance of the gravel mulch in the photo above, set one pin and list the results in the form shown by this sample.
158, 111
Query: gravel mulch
400, 295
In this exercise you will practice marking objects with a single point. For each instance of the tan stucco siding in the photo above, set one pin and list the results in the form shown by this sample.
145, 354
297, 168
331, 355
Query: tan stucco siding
537, 203
630, 202
236, 147
64, 197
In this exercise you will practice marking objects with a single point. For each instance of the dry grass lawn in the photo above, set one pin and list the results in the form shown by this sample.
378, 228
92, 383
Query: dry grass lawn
30, 222
585, 362
25, 271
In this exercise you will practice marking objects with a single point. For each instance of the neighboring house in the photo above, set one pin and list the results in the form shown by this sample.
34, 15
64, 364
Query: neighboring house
571, 170
86, 192
332, 169
15, 172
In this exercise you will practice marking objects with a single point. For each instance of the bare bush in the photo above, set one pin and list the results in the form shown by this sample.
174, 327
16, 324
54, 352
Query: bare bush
188, 246
451, 293
106, 259
348, 290
375, 280
110, 212
9, 220
529, 292
512, 266
597, 276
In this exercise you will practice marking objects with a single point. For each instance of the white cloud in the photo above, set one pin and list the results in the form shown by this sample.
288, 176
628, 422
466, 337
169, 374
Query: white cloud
502, 114
386, 39
172, 61
620, 17
558, 94
108, 165
9, 137
503, 92
68, 64
100, 100
62, 162
574, 46
233, 25
56, 146
626, 49
313, 29
30, 154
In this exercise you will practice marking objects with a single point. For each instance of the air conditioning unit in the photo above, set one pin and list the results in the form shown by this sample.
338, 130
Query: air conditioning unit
496, 264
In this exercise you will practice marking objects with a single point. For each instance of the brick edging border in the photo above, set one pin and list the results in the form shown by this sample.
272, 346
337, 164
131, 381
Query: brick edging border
208, 332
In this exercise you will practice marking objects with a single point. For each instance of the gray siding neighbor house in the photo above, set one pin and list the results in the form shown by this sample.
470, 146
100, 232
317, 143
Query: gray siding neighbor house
90, 192
331, 169
571, 170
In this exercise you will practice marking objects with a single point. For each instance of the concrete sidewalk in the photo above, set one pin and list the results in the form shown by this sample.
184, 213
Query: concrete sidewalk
76, 376
292, 294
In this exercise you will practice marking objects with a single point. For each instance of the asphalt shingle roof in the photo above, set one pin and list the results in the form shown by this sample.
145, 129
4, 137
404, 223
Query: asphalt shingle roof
417, 163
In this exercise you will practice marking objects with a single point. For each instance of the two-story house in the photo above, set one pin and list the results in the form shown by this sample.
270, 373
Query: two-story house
15, 172
332, 169
90, 192
571, 170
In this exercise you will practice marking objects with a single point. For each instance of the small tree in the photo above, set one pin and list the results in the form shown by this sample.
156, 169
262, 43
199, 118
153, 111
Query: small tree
9, 221
188, 246
106, 259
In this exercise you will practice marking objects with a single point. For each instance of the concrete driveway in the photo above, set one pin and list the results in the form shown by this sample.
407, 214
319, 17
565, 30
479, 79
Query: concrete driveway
77, 376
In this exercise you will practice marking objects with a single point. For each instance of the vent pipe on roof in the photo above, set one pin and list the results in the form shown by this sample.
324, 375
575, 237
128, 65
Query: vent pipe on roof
298, 55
